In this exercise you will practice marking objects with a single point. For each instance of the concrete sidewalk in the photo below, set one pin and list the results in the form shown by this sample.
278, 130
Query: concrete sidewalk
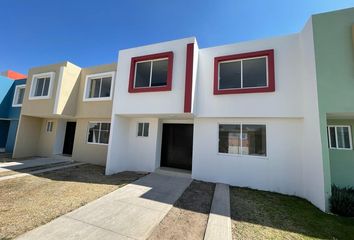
35, 162
130, 212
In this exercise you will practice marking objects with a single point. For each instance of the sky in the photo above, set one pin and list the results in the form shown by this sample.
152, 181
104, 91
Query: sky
87, 33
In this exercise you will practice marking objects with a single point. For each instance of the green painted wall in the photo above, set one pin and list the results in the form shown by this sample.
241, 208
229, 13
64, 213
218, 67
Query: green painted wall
342, 161
335, 73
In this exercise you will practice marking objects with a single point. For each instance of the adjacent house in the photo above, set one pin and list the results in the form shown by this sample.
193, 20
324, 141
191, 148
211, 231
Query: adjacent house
67, 111
254, 114
12, 88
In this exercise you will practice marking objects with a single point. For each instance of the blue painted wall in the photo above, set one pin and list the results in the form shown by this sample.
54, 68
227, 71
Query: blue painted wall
9, 116
4, 129
5, 84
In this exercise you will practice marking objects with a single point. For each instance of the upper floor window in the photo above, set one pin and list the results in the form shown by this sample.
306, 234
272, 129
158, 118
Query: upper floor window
151, 73
99, 86
244, 73
18, 95
41, 86
340, 137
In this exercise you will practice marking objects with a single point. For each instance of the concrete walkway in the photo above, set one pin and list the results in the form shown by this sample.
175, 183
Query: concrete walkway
130, 212
38, 171
35, 162
219, 222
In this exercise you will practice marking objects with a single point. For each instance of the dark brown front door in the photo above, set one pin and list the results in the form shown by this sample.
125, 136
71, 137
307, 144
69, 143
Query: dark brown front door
69, 138
177, 146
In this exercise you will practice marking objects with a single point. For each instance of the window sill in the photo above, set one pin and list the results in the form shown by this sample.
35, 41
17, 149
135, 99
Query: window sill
97, 99
242, 156
17, 105
341, 149
102, 144
39, 98
150, 89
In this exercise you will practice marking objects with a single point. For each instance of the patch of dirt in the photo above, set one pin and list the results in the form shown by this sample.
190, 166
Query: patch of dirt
28, 202
189, 216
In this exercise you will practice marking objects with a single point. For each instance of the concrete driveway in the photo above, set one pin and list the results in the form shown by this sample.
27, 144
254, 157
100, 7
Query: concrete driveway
130, 212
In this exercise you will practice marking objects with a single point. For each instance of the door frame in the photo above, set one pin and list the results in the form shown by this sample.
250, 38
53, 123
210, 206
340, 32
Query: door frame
65, 129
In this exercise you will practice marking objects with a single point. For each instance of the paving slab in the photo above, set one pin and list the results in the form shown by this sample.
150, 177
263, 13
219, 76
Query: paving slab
35, 162
131, 212
219, 222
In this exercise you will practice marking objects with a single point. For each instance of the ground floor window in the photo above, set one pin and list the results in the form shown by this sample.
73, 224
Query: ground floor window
339, 137
98, 132
143, 129
242, 139
49, 126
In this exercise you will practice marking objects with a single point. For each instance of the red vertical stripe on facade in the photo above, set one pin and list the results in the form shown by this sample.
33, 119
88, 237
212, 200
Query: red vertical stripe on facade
189, 78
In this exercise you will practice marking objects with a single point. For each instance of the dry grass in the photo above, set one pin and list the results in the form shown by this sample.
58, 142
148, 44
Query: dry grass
189, 216
28, 202
266, 215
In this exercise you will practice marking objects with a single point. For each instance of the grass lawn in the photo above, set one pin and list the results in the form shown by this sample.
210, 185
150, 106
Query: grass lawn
28, 202
265, 215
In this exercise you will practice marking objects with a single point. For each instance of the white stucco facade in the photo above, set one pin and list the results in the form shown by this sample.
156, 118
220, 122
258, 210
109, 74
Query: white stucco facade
292, 164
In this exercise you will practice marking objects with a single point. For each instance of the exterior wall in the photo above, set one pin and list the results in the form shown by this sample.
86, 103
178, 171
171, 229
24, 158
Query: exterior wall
152, 102
5, 84
280, 171
41, 107
94, 109
11, 137
86, 152
67, 90
136, 153
313, 176
27, 138
332, 33
342, 161
284, 101
4, 129
47, 139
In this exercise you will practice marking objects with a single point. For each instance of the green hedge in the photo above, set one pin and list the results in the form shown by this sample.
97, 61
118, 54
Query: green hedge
342, 201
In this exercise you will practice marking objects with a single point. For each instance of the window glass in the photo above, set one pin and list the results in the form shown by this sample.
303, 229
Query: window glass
95, 88
142, 75
46, 87
254, 141
98, 133
146, 130
140, 129
343, 137
49, 126
229, 138
106, 87
159, 73
332, 134
39, 87
254, 72
230, 75
20, 95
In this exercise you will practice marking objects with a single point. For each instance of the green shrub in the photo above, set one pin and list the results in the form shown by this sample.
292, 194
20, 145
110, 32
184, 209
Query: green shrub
342, 201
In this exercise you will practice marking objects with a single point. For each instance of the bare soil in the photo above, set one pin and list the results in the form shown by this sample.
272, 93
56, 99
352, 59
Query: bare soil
28, 202
189, 216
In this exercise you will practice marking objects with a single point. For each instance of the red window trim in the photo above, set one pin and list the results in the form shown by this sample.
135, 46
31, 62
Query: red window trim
168, 87
271, 79
189, 78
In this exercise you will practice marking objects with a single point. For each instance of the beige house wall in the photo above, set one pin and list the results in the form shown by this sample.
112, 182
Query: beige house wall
27, 140
94, 109
86, 152
46, 139
68, 86
41, 107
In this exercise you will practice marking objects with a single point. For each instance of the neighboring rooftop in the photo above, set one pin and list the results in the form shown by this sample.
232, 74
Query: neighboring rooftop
13, 75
